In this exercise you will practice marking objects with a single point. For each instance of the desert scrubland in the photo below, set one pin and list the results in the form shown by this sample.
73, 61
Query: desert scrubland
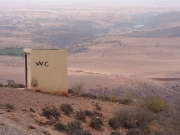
119, 50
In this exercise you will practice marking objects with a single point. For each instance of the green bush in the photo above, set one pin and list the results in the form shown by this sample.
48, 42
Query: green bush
96, 123
157, 105
112, 98
80, 115
66, 108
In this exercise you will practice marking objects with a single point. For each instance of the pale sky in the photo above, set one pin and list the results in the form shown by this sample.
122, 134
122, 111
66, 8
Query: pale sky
74, 1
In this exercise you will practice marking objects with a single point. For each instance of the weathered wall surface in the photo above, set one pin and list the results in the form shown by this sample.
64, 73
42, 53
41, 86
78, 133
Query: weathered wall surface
49, 71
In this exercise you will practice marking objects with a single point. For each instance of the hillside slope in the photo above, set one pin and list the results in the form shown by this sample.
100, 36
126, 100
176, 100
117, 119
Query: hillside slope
164, 20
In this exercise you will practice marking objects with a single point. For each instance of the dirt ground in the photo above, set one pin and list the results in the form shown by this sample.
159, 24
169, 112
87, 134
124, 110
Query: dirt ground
17, 121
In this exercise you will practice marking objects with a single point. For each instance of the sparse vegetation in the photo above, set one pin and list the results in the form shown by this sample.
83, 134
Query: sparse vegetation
89, 95
112, 98
66, 108
114, 122
134, 131
60, 127
157, 105
125, 101
72, 128
75, 128
98, 107
80, 115
78, 88
96, 123
12, 51
16, 86
115, 133
51, 111
88, 113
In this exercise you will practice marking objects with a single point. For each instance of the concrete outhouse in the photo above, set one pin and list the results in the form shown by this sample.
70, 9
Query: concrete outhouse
46, 70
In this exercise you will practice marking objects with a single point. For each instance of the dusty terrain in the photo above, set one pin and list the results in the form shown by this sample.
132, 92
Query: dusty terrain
17, 121
106, 55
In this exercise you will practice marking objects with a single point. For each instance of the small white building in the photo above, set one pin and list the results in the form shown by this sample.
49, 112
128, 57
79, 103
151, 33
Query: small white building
46, 70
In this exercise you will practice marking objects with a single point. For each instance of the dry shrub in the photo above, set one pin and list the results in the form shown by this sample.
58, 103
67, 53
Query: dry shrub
112, 98
60, 127
16, 86
75, 128
88, 113
78, 88
134, 131
125, 101
115, 133
66, 108
157, 105
97, 113
51, 111
89, 95
158, 133
98, 107
80, 115
136, 114
96, 123
114, 122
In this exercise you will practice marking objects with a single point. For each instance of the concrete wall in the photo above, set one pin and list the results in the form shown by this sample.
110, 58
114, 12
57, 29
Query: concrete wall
48, 71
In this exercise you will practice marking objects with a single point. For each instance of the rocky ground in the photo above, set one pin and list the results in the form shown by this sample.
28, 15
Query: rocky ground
20, 112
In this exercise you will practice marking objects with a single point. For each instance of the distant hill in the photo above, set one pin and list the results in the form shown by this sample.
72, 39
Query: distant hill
163, 20
163, 25
157, 33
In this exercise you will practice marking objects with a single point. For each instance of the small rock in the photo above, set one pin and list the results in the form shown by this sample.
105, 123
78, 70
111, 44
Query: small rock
8, 110
31, 127
117, 102
46, 133
31, 110
72, 103
42, 120
33, 115
2, 124
24, 109
38, 90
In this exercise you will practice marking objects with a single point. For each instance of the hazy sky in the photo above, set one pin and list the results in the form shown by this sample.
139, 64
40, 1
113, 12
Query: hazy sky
74, 1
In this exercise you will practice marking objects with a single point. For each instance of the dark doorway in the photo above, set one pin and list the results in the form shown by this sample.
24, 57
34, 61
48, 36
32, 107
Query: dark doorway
26, 69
